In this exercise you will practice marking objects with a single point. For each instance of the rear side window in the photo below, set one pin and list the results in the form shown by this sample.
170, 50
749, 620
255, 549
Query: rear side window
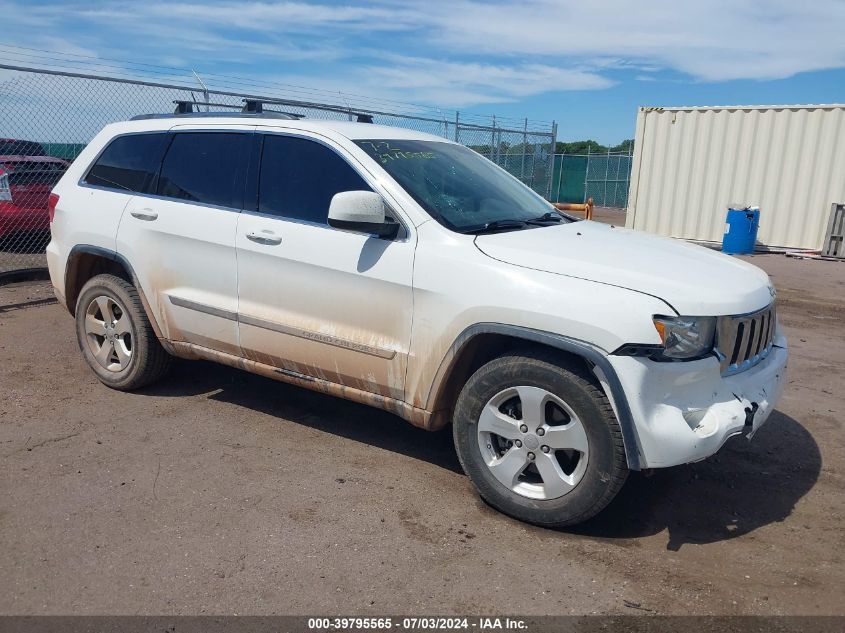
205, 167
129, 163
299, 177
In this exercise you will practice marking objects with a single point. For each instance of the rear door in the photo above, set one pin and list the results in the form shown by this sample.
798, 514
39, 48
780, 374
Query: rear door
316, 300
127, 166
181, 238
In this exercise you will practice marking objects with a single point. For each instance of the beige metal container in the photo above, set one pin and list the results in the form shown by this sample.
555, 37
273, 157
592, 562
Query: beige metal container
691, 163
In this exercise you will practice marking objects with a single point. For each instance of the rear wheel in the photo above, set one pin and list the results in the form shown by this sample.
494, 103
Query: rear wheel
539, 439
115, 335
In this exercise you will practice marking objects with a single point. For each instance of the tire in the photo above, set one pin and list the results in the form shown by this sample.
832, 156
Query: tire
574, 473
127, 355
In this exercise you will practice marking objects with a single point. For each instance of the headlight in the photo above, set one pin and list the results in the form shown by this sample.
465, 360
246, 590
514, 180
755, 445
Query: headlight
685, 337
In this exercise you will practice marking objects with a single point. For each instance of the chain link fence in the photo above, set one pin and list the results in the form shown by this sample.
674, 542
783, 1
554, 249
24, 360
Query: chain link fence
603, 177
47, 117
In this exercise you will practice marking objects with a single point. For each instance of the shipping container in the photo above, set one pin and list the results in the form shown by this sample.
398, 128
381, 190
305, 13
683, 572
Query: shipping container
691, 163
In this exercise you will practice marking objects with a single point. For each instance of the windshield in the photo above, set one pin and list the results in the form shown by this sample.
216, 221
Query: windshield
458, 187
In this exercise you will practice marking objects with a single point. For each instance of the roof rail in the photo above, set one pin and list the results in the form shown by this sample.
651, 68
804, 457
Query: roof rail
255, 108
251, 108
360, 117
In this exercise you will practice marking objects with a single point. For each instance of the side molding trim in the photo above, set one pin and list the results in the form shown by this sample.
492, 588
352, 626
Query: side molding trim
282, 329
201, 307
317, 337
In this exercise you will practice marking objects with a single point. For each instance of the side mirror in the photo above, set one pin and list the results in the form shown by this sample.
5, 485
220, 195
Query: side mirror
361, 211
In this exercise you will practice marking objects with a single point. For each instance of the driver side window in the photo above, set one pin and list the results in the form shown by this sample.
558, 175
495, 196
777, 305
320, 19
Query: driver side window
298, 178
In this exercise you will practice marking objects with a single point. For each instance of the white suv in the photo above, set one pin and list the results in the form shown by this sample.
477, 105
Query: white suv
404, 271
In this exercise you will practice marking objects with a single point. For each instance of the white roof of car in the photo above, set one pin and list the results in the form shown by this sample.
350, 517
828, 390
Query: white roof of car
348, 129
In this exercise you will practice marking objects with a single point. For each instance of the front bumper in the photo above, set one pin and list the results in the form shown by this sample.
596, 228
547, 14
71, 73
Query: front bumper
684, 412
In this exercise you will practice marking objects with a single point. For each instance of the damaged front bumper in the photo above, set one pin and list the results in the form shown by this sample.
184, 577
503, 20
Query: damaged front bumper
684, 412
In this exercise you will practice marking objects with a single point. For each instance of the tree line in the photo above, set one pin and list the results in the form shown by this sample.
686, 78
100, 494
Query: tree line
593, 147
573, 147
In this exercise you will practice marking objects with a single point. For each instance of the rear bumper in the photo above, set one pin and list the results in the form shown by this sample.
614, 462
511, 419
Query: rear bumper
685, 412
14, 219
56, 265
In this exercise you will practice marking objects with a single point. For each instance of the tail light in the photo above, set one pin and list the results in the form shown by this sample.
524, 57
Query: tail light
52, 201
5, 190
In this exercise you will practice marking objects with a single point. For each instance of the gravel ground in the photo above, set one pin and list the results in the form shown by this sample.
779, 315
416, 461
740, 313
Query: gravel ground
23, 250
220, 492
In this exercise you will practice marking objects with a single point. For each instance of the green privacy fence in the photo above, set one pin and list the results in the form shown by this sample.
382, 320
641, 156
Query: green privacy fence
602, 177
68, 151
568, 178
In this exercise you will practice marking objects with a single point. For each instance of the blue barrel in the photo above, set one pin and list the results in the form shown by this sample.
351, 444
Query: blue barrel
741, 231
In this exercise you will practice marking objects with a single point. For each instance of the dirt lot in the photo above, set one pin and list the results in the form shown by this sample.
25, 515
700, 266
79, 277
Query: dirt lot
221, 492
22, 250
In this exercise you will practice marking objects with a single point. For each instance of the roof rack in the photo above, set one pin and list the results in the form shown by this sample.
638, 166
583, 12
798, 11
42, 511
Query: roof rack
255, 108
360, 117
251, 108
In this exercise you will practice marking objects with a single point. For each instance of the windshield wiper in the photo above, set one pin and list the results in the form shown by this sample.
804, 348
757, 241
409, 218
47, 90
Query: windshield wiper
550, 216
495, 225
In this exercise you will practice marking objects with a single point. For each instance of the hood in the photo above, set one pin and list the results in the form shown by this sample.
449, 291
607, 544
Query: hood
692, 279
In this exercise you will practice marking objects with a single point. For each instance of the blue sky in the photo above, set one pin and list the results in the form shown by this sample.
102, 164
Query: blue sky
586, 64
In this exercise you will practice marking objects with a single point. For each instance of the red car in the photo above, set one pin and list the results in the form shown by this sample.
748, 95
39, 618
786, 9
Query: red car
26, 177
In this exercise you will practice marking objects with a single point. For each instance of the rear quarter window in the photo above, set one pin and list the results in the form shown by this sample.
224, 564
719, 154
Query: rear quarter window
129, 163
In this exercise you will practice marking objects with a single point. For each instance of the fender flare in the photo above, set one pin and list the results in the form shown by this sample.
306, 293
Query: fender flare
587, 351
99, 251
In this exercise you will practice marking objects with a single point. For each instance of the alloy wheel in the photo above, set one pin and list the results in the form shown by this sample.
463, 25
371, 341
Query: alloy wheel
108, 333
533, 442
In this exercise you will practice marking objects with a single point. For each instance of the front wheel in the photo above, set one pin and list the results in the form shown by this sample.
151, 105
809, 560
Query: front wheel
539, 439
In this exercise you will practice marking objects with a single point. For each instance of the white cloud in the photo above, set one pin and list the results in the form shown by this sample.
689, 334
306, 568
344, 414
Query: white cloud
284, 16
407, 80
455, 54
711, 41
457, 84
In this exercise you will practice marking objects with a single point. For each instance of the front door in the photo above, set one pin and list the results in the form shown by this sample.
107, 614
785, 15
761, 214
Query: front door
315, 300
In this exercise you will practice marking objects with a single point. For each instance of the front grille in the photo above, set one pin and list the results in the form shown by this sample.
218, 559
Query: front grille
743, 341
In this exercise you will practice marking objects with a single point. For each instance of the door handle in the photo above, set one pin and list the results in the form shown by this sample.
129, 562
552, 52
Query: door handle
268, 238
144, 214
